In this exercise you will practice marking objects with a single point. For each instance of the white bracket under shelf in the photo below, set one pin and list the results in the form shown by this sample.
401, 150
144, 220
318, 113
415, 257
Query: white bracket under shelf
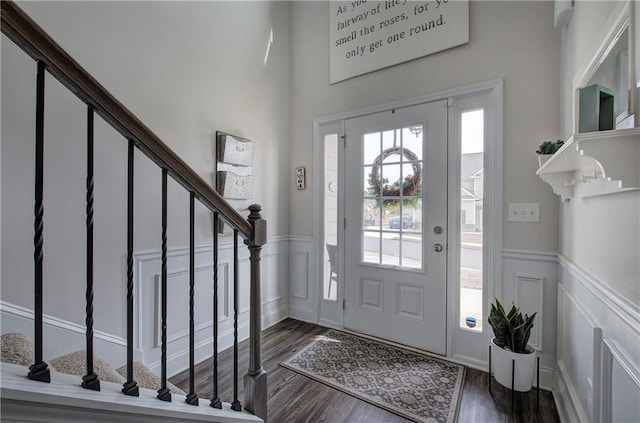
595, 163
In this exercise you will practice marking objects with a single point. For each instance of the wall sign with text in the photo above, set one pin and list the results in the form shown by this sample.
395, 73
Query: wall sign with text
369, 35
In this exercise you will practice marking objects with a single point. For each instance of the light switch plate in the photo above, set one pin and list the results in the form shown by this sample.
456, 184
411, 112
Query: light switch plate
301, 182
524, 212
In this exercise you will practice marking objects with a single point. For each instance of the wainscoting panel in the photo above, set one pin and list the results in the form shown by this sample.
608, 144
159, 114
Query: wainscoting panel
300, 289
529, 278
620, 385
62, 337
530, 299
303, 287
578, 338
598, 354
274, 273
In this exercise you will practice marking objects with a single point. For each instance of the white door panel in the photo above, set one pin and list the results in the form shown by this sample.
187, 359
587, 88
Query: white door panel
394, 198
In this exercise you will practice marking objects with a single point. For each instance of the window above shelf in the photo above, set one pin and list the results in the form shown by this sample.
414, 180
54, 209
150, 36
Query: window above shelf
595, 163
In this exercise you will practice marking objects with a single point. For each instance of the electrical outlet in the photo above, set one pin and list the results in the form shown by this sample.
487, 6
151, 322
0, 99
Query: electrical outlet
524, 212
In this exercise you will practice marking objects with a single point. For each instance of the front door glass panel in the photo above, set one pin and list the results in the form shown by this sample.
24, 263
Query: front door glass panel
392, 201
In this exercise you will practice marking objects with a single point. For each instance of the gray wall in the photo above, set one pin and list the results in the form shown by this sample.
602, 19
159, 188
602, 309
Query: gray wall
186, 69
511, 40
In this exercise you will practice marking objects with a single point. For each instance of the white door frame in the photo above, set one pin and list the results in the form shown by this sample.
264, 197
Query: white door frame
493, 207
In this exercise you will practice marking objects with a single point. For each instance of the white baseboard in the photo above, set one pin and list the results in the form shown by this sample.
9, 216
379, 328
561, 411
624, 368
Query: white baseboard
274, 317
62, 336
330, 324
303, 314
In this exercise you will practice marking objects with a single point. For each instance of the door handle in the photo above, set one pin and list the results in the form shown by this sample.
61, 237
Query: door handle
437, 248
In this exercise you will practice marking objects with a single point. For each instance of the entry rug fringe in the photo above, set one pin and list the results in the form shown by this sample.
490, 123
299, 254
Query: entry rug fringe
413, 385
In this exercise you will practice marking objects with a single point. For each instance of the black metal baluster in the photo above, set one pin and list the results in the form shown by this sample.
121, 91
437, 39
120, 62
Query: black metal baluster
39, 370
192, 397
90, 380
235, 405
130, 387
163, 393
215, 401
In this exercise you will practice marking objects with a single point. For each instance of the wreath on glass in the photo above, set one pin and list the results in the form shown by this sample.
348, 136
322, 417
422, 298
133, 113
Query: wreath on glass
411, 183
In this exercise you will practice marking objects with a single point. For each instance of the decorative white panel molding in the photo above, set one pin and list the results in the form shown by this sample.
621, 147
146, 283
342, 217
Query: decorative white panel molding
300, 285
598, 354
530, 298
303, 287
177, 287
410, 301
620, 385
578, 337
371, 294
244, 290
274, 273
529, 278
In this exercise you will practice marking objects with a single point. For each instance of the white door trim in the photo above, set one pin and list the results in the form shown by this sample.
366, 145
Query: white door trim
493, 199
464, 345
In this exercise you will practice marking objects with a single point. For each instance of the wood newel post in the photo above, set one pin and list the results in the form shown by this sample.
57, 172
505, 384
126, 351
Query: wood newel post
255, 381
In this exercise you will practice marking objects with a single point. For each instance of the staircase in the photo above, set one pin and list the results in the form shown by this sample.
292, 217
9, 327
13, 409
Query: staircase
45, 395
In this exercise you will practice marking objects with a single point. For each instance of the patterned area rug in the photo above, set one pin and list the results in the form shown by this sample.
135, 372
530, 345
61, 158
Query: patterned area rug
413, 385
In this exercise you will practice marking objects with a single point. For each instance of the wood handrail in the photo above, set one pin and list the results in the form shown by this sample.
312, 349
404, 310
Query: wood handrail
31, 38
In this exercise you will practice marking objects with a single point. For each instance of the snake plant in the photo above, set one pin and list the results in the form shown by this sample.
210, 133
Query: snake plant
511, 329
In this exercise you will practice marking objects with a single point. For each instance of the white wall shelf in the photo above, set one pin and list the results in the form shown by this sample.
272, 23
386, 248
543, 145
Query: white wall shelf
594, 164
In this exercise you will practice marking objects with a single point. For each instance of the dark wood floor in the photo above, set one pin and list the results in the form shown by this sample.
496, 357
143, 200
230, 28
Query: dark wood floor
295, 398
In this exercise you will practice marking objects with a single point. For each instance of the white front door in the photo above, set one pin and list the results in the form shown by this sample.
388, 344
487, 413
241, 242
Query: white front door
395, 248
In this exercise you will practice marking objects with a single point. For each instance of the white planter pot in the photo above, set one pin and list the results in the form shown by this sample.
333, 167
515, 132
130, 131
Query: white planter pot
502, 362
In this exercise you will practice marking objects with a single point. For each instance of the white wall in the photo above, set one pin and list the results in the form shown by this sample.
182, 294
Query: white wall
186, 69
607, 248
512, 40
599, 289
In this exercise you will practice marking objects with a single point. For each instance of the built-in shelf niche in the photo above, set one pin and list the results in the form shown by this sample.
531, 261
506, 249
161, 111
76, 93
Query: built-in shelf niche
594, 164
